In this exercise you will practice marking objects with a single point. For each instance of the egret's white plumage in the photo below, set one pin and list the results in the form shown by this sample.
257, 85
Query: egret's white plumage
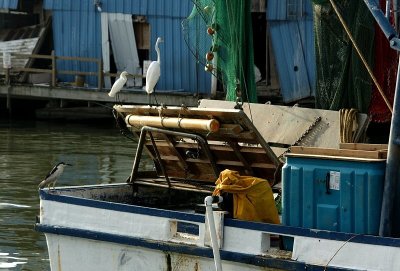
153, 72
117, 86
53, 175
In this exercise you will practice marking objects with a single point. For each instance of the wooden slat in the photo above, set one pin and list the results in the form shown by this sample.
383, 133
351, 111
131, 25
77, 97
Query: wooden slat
246, 136
172, 144
83, 59
363, 146
236, 149
77, 73
218, 162
230, 129
31, 56
213, 147
250, 155
338, 152
34, 70
174, 185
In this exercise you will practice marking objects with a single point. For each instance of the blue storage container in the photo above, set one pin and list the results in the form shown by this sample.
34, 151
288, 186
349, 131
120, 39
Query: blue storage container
332, 193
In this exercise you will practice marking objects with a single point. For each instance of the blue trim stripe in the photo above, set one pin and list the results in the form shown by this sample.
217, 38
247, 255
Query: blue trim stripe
199, 218
256, 260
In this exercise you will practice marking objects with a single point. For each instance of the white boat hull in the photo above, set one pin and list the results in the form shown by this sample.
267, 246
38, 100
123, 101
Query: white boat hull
87, 231
71, 253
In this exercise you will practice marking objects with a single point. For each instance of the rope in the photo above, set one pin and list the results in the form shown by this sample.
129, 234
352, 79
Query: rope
161, 115
337, 251
371, 74
348, 125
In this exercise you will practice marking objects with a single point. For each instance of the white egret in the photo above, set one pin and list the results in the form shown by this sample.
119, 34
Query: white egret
117, 86
153, 72
53, 175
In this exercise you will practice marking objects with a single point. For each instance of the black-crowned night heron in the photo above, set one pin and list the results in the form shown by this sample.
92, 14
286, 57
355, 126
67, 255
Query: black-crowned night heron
53, 175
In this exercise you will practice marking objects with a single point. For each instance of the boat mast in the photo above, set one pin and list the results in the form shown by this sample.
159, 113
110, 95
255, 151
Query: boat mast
392, 174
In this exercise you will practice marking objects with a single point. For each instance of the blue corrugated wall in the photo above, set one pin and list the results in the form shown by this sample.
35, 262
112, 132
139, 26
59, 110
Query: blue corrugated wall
9, 4
293, 45
77, 32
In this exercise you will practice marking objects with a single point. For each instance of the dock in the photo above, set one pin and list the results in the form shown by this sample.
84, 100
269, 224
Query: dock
136, 96
88, 99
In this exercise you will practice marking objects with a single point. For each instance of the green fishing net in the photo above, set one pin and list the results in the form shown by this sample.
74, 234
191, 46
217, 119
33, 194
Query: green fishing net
342, 79
219, 34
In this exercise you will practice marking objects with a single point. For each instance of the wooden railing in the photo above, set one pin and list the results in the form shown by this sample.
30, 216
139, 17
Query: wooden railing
53, 71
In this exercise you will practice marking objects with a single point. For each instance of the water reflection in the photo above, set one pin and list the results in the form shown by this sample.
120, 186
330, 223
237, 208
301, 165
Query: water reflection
98, 153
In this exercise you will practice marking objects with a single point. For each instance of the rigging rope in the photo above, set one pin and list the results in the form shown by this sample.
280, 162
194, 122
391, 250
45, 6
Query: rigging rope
348, 125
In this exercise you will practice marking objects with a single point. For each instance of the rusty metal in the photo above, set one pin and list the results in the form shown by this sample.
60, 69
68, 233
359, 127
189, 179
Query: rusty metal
160, 162
200, 140
138, 155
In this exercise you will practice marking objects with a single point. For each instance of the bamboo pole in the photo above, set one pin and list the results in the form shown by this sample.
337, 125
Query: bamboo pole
208, 125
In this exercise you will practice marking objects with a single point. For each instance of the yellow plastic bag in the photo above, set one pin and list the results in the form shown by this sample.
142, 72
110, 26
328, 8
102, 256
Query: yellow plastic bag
252, 197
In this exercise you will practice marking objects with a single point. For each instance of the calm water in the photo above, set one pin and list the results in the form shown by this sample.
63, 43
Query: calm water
28, 150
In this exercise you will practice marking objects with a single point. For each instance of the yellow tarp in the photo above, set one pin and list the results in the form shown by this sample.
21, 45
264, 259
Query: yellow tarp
252, 197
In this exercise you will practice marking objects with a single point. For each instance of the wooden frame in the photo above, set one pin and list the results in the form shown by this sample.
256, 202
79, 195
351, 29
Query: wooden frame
236, 145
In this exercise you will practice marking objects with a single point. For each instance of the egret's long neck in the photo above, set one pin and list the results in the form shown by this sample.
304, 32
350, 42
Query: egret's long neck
158, 52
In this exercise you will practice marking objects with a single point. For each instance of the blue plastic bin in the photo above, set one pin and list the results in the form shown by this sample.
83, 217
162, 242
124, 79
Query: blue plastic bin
333, 194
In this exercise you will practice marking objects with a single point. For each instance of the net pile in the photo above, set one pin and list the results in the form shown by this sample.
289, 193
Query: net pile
342, 79
219, 34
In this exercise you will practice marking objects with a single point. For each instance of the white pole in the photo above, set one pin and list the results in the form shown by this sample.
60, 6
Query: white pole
208, 201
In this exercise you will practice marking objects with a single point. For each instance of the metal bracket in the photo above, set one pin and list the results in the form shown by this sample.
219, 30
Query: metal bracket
203, 143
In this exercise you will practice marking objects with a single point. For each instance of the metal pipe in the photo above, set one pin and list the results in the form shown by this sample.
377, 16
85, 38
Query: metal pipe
138, 155
203, 143
153, 142
387, 13
395, 14
381, 20
142, 140
392, 174
208, 201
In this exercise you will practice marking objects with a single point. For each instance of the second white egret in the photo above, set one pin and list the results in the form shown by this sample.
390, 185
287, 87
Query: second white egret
153, 72
118, 84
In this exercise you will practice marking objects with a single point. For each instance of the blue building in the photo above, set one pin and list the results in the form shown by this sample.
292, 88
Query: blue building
8, 4
123, 33
291, 29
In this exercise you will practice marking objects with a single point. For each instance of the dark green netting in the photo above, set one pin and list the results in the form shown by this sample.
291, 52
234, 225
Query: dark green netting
231, 44
342, 79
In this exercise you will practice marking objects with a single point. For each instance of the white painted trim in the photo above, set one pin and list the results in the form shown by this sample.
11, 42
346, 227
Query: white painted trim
346, 254
105, 48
